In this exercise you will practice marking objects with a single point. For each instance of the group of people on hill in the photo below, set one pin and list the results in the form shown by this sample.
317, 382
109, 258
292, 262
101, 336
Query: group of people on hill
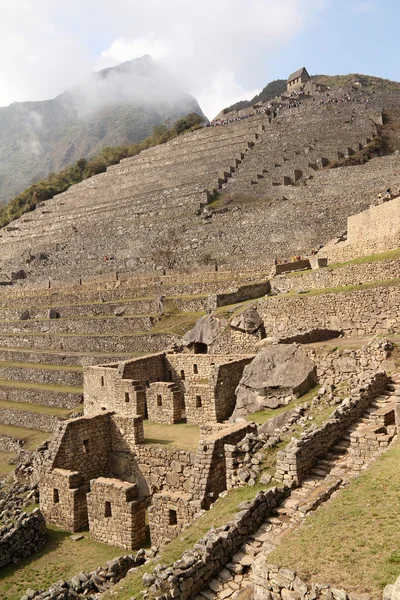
232, 119
388, 195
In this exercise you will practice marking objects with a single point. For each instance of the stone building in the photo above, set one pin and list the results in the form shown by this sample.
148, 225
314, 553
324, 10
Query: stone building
101, 475
297, 79
167, 387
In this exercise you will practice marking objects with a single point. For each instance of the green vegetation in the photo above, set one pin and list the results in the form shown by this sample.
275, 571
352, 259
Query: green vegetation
273, 89
36, 408
368, 83
32, 437
62, 558
55, 183
44, 387
341, 289
262, 416
353, 541
6, 466
175, 322
180, 435
4, 364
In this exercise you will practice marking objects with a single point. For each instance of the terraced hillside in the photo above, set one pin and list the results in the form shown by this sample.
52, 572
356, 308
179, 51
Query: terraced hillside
258, 162
47, 335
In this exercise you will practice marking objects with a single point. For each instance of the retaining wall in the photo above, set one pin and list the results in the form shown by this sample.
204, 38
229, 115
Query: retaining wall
22, 539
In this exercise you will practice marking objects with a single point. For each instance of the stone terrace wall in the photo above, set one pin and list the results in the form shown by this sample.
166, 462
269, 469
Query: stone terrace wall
300, 455
374, 230
338, 366
197, 567
357, 313
246, 292
22, 539
280, 583
347, 275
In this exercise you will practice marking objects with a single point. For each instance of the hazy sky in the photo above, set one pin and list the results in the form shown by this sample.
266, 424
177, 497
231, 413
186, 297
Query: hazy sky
221, 50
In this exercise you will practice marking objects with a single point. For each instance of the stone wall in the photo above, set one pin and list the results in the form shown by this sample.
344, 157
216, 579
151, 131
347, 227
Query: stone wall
210, 472
244, 293
164, 402
32, 420
357, 313
301, 454
9, 444
116, 514
374, 230
280, 583
347, 275
196, 567
20, 540
339, 366
169, 513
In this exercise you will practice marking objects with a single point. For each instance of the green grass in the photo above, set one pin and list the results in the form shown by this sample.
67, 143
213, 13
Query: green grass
222, 512
79, 318
353, 541
180, 435
5, 364
44, 387
340, 289
5, 466
370, 258
61, 558
36, 408
262, 416
177, 323
32, 437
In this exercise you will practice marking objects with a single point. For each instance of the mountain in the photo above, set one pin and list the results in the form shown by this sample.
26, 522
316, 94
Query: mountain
272, 89
118, 105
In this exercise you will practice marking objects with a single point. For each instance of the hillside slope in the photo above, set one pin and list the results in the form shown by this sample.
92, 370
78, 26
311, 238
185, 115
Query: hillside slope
115, 106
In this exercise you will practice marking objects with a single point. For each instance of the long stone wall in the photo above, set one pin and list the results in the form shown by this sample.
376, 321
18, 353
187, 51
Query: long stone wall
186, 577
300, 455
356, 313
332, 278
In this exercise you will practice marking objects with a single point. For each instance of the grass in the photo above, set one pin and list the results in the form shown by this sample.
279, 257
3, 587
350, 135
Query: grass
5, 364
5, 466
180, 435
370, 258
79, 318
36, 408
68, 352
43, 387
32, 437
341, 289
353, 541
262, 416
177, 323
61, 558
223, 511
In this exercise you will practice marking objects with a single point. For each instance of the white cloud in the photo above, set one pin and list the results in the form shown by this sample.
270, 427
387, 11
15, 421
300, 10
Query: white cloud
210, 46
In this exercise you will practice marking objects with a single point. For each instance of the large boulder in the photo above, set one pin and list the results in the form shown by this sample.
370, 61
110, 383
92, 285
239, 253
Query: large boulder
249, 321
205, 331
278, 371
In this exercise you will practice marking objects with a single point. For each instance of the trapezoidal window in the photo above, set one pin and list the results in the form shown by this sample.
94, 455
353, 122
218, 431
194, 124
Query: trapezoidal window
172, 517
195, 369
102, 381
159, 400
107, 510
198, 402
126, 396
183, 375
56, 496
85, 444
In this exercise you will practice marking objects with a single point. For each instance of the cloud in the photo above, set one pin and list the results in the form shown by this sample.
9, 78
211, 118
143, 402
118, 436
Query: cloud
220, 50
364, 7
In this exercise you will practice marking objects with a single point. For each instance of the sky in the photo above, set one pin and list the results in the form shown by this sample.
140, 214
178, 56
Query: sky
221, 51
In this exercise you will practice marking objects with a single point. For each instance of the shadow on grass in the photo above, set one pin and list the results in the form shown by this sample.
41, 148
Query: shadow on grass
55, 539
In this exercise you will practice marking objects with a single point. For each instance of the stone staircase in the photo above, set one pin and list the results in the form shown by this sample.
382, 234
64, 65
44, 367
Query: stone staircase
362, 442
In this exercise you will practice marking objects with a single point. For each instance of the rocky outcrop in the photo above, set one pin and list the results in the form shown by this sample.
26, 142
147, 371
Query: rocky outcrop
249, 321
205, 331
276, 374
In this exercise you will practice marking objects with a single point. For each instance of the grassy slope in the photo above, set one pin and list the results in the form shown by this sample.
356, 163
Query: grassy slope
354, 541
60, 559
